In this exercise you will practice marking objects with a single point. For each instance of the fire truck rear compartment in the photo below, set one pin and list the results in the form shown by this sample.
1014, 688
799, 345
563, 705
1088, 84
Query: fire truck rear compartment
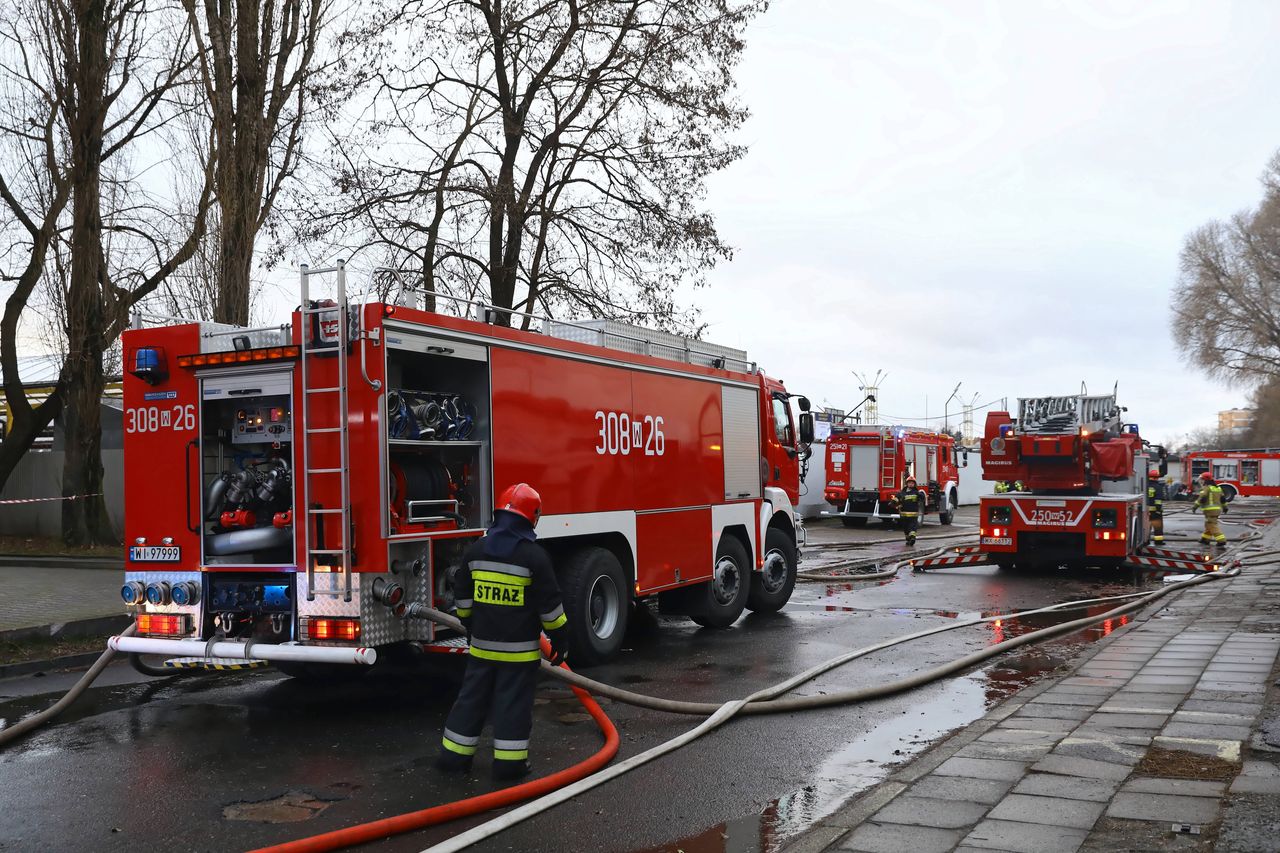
246, 448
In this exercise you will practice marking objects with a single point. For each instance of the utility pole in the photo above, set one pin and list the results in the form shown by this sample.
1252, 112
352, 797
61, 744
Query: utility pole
946, 409
871, 387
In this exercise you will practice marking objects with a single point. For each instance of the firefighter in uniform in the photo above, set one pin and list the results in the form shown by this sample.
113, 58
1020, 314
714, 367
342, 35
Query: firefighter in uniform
1155, 505
506, 595
1210, 502
910, 503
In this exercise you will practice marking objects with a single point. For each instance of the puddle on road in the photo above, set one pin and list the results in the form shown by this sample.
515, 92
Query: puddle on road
868, 759
291, 807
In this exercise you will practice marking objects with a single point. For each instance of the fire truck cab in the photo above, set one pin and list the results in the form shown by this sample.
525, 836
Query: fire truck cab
296, 488
867, 465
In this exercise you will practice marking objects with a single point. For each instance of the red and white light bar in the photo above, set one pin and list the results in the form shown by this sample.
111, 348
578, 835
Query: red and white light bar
326, 628
164, 624
240, 356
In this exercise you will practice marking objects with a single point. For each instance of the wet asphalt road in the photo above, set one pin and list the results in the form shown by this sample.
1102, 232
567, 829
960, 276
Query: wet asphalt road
235, 761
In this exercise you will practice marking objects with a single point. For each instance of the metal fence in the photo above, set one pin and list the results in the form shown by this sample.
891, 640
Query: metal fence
39, 475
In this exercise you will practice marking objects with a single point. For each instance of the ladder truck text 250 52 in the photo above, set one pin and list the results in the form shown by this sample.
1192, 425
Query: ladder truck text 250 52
301, 486
866, 466
1083, 473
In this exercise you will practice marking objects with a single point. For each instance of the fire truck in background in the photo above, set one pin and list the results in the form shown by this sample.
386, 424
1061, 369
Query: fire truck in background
866, 465
291, 491
1245, 473
1083, 472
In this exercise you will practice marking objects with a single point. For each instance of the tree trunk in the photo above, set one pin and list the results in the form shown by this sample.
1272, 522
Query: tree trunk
84, 519
23, 432
235, 264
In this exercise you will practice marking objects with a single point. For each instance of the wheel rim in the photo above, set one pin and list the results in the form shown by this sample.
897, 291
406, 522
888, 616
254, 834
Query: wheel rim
727, 581
773, 575
606, 606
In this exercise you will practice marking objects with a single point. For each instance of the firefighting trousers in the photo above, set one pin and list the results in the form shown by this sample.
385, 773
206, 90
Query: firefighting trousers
1212, 530
1157, 526
910, 524
499, 692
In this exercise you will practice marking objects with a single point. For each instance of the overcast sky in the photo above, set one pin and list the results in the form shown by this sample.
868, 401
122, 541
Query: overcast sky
988, 193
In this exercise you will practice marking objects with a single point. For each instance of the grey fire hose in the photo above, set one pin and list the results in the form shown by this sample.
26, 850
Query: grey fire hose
21, 727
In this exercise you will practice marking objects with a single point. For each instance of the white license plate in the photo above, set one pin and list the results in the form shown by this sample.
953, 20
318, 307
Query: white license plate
155, 554
989, 540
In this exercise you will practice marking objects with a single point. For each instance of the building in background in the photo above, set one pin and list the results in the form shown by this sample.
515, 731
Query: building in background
1235, 422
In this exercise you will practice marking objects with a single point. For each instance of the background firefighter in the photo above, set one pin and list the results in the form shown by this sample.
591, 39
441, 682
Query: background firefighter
1210, 502
1155, 505
506, 595
910, 502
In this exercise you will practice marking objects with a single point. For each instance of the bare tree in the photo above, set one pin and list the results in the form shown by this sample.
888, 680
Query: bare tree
545, 155
1226, 306
256, 64
98, 72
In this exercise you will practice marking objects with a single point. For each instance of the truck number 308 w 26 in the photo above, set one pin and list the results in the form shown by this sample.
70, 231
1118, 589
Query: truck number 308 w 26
620, 434
155, 418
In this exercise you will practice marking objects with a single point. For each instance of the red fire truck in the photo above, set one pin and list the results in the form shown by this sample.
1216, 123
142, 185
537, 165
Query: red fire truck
291, 490
867, 465
1239, 472
1083, 473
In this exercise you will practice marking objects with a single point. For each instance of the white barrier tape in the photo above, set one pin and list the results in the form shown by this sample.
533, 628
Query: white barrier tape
47, 500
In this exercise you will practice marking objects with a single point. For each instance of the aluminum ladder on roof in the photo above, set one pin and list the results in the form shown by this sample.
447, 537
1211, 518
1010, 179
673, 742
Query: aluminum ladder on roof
319, 534
888, 460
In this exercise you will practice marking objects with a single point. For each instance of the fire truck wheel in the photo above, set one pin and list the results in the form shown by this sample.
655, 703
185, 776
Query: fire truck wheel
853, 522
720, 601
1004, 564
771, 586
1228, 493
948, 515
596, 602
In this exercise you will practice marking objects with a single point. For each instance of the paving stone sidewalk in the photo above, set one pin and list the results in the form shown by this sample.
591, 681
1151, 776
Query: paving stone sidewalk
38, 596
1089, 761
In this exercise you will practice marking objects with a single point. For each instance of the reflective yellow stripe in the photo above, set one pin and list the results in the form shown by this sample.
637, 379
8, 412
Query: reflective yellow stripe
457, 747
510, 754
554, 623
506, 657
501, 577
464, 612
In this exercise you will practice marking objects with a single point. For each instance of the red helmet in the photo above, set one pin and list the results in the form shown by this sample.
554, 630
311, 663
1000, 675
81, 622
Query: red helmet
523, 500
1154, 473
1206, 476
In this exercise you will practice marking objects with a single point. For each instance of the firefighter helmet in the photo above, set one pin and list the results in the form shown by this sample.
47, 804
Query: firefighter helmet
523, 500
911, 481
1154, 474
1206, 476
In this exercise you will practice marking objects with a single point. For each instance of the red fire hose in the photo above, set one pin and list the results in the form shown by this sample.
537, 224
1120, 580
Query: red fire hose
386, 827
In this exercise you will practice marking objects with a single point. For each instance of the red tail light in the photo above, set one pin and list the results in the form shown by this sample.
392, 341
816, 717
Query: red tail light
164, 624
345, 630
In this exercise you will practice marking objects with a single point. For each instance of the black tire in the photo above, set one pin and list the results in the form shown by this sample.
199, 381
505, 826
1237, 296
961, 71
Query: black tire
948, 513
853, 522
1229, 493
720, 601
771, 587
597, 602
1005, 564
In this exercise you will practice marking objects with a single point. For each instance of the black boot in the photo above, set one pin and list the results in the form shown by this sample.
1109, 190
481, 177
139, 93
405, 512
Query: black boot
509, 771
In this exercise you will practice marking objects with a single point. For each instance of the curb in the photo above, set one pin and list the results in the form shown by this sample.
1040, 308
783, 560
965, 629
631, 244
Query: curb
27, 667
98, 626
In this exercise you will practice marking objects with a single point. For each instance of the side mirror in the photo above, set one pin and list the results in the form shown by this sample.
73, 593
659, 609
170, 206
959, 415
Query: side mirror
803, 403
806, 427
965, 462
